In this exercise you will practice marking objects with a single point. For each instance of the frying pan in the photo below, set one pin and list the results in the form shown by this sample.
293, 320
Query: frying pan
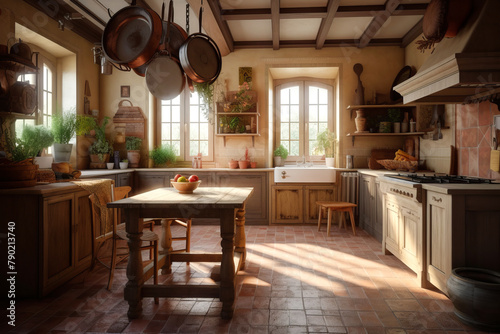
200, 57
132, 36
164, 76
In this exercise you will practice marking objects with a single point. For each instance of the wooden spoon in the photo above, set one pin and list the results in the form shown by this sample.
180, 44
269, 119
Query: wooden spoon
358, 69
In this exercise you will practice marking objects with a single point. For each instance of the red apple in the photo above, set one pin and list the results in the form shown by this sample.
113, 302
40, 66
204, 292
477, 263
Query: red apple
176, 177
193, 178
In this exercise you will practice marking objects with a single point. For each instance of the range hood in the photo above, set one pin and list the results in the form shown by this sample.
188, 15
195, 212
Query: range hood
462, 69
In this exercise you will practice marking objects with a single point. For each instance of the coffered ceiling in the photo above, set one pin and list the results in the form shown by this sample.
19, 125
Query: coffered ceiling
239, 24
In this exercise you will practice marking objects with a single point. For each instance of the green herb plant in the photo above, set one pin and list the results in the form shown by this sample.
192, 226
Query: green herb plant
85, 124
162, 155
281, 151
206, 92
101, 146
133, 143
64, 127
394, 115
325, 143
32, 141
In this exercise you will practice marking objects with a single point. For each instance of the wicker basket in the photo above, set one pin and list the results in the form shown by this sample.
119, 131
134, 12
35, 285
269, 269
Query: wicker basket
399, 165
46, 175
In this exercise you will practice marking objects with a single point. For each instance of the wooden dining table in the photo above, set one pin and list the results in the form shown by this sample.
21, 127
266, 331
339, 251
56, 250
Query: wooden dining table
225, 203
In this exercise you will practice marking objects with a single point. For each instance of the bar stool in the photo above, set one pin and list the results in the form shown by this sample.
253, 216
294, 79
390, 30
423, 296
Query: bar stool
336, 206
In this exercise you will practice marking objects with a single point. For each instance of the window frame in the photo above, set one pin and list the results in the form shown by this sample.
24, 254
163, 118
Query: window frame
185, 107
304, 84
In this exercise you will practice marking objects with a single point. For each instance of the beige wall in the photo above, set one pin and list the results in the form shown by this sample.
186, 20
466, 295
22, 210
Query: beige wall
13, 11
381, 64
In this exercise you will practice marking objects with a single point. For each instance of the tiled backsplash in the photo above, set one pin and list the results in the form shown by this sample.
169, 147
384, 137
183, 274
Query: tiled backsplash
474, 138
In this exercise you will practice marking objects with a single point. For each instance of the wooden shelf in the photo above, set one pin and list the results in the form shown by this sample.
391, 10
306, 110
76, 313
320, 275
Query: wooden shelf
224, 135
381, 106
378, 134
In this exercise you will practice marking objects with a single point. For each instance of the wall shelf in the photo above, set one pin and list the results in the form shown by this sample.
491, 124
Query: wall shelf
224, 135
400, 134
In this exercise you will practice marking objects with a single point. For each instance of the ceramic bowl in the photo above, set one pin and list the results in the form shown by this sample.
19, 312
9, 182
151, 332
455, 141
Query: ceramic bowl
185, 187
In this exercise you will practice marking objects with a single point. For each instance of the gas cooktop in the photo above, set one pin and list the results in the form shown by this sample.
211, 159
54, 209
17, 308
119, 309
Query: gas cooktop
422, 178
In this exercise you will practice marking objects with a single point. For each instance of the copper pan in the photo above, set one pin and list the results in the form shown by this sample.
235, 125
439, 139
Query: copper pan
132, 36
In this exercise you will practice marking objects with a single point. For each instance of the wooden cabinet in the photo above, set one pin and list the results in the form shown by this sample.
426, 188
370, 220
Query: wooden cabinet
438, 241
297, 203
403, 232
257, 205
463, 230
124, 179
145, 181
53, 237
371, 206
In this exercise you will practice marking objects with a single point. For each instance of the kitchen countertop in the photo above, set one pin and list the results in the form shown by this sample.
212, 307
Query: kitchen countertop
462, 189
89, 173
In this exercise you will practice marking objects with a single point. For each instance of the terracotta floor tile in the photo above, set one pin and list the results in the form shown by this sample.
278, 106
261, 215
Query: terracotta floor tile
297, 280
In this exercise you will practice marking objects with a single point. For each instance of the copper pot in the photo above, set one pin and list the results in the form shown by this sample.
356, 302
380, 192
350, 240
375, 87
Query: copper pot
132, 36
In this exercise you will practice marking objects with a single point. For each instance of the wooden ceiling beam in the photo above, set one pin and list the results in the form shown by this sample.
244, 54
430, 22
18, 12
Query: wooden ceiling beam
215, 26
412, 34
275, 23
326, 23
377, 22
319, 12
312, 43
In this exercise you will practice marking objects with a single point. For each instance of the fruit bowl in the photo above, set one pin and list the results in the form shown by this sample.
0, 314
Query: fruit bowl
185, 187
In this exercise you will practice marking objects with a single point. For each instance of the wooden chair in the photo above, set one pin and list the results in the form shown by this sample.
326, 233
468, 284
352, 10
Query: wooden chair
118, 233
336, 206
166, 240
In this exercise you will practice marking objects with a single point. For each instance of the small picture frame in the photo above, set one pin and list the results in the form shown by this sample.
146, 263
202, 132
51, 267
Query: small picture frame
245, 75
124, 91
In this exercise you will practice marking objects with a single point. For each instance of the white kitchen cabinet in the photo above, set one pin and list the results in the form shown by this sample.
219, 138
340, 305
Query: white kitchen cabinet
463, 229
371, 206
438, 241
403, 232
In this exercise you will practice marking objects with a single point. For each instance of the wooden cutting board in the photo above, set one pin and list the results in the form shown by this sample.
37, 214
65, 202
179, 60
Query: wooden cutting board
380, 154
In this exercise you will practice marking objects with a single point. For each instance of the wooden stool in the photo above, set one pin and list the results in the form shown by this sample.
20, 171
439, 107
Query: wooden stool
336, 206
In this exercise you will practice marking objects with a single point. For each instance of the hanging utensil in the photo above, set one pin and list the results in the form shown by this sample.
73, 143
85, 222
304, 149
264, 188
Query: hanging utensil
200, 56
164, 76
132, 36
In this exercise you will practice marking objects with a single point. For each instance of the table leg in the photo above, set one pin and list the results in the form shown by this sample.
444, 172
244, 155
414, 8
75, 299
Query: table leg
166, 244
132, 292
353, 223
227, 283
240, 238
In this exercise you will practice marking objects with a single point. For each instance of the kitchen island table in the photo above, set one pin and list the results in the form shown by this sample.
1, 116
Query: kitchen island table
225, 203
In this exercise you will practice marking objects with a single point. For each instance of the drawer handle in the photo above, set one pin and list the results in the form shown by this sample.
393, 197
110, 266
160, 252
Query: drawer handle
439, 200
283, 174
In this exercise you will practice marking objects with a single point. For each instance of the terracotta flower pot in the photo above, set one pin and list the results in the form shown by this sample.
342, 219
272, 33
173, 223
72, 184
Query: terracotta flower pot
133, 157
233, 164
243, 164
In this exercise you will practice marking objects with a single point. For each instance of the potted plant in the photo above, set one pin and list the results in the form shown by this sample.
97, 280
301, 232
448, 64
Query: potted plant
133, 145
85, 125
395, 116
38, 138
163, 155
325, 144
124, 164
18, 169
280, 155
101, 148
63, 128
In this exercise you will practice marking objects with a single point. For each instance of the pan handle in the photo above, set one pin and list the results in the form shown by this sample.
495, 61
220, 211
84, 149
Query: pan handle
201, 14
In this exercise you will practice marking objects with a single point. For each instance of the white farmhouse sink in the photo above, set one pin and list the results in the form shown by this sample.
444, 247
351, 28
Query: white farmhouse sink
299, 174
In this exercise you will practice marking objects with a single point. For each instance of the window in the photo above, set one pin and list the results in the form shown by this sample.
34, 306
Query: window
304, 109
185, 126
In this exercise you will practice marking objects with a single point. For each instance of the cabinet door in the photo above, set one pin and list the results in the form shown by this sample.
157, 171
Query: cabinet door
149, 181
314, 194
83, 234
287, 204
391, 226
366, 203
438, 239
124, 179
58, 240
256, 206
378, 220
410, 238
